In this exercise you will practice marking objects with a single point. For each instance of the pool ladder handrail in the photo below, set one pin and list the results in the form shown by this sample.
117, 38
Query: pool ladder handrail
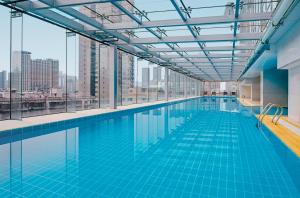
277, 115
266, 109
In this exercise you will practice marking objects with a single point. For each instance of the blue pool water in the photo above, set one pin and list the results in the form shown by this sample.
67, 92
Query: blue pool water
206, 147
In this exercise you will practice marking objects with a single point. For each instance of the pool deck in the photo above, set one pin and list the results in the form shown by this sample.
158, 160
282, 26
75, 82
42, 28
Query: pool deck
46, 119
286, 131
248, 102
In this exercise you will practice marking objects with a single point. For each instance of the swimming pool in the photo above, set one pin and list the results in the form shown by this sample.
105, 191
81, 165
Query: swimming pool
205, 147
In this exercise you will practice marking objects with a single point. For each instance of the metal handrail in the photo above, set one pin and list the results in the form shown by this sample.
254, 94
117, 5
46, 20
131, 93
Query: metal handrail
279, 116
267, 108
264, 109
265, 113
275, 115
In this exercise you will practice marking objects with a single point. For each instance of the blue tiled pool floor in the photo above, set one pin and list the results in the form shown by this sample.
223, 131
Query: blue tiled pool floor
199, 148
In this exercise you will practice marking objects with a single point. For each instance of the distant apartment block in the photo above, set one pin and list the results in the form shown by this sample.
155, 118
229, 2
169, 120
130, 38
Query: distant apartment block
3, 79
96, 60
37, 74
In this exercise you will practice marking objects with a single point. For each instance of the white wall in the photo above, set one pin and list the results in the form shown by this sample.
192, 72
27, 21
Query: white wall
288, 48
294, 94
288, 53
250, 88
245, 91
255, 89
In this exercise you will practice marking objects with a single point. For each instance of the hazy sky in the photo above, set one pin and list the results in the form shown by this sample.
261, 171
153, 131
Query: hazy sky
42, 39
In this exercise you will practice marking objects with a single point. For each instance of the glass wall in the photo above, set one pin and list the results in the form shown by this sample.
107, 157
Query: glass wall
16, 59
105, 75
129, 78
177, 84
161, 83
153, 80
51, 70
44, 69
172, 85
88, 73
4, 63
143, 81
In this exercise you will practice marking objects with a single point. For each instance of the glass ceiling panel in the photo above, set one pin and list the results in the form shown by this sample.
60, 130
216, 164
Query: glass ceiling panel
114, 18
215, 44
157, 9
205, 8
188, 44
216, 29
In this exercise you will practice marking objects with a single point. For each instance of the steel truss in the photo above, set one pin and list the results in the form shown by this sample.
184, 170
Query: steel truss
212, 62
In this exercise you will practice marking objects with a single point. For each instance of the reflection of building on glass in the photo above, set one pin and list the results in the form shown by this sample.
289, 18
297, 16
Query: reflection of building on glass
96, 60
148, 132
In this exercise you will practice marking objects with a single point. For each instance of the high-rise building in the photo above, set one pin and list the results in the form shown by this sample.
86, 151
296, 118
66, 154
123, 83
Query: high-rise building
44, 75
145, 77
3, 79
20, 70
37, 74
96, 60
157, 73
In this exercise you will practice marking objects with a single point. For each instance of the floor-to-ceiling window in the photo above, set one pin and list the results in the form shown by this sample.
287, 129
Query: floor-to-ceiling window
182, 84
44, 68
162, 83
105, 75
129, 78
172, 84
143, 81
4, 63
153, 80
177, 85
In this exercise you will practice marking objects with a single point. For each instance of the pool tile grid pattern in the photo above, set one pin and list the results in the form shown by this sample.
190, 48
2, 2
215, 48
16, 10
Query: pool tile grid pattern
202, 154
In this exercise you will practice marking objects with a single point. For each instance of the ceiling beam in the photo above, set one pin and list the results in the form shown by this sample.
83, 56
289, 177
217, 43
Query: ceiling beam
140, 22
184, 17
194, 49
192, 21
200, 38
235, 28
206, 61
211, 55
37, 5
92, 22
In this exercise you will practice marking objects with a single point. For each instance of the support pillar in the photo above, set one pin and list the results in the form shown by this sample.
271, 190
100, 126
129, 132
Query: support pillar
114, 79
167, 84
185, 86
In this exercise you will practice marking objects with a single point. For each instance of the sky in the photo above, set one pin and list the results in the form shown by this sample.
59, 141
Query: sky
42, 39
